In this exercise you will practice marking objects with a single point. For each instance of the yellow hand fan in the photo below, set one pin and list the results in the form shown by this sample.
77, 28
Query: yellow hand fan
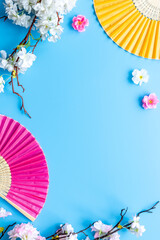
132, 24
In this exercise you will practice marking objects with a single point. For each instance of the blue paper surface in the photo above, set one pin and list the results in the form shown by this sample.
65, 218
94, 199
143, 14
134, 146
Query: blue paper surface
102, 148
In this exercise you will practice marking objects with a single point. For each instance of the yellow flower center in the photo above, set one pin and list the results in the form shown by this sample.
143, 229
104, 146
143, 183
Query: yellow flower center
150, 101
120, 226
141, 77
79, 22
14, 74
1, 229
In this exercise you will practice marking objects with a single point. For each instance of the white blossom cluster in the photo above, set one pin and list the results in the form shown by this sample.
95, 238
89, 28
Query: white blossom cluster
136, 228
49, 14
22, 60
45, 16
102, 229
24, 232
69, 230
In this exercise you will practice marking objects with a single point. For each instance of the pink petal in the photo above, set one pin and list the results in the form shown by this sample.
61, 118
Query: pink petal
79, 23
145, 106
145, 99
96, 235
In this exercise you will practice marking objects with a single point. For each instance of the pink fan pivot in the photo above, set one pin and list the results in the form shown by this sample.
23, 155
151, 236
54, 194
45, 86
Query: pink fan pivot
24, 177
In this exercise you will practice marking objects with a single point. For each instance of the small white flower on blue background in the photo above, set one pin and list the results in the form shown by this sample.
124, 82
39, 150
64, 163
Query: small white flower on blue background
140, 77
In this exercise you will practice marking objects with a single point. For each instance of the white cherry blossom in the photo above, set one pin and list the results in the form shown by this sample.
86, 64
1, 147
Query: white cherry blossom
135, 223
67, 228
24, 60
3, 212
101, 227
5, 63
72, 237
25, 232
138, 231
136, 228
49, 15
140, 77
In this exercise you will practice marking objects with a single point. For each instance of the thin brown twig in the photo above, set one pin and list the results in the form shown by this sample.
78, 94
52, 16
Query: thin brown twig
122, 214
22, 107
20, 85
61, 236
85, 234
59, 19
55, 233
85, 228
5, 18
2, 234
148, 210
34, 46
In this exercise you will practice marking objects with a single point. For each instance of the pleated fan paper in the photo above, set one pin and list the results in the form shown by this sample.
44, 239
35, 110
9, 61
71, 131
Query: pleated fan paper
24, 177
132, 24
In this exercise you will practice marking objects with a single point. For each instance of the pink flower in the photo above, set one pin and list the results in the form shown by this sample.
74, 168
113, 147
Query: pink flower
79, 23
24, 232
150, 102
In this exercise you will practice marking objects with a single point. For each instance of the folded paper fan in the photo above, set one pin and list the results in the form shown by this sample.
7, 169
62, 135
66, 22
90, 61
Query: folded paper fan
133, 24
24, 175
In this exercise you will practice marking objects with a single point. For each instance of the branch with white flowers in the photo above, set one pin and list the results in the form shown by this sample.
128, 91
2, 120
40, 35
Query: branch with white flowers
66, 231
44, 16
103, 231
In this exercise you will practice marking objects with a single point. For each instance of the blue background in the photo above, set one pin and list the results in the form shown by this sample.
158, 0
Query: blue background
102, 148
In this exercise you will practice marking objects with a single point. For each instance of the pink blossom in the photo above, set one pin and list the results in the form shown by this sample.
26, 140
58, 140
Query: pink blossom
40, 238
150, 102
25, 232
79, 23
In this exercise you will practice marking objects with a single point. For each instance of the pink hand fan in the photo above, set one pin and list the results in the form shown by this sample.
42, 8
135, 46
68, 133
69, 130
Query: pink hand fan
24, 175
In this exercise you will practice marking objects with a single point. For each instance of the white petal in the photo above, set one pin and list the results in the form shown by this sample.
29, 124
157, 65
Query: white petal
135, 72
3, 54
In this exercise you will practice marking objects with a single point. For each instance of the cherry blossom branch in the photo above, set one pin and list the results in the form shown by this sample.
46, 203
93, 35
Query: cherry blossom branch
66, 231
119, 228
60, 234
4, 231
40, 16
138, 214
24, 41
